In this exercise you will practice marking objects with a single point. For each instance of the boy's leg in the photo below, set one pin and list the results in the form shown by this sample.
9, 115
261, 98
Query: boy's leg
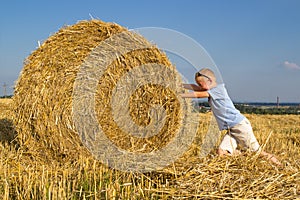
244, 136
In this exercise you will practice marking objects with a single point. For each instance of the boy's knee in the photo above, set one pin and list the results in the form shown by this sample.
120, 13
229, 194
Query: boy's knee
222, 152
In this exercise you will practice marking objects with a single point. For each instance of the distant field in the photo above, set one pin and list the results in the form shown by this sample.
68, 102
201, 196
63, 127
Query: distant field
24, 176
5, 105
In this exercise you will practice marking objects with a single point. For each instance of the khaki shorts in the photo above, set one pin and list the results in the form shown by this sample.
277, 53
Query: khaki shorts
242, 135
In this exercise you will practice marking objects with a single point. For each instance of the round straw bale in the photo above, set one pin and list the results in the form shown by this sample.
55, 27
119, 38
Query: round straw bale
59, 79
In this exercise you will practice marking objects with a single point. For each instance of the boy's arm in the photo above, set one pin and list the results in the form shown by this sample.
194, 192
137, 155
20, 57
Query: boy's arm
192, 87
197, 94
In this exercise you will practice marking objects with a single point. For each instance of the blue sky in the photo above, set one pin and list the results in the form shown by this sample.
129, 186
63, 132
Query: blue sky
254, 43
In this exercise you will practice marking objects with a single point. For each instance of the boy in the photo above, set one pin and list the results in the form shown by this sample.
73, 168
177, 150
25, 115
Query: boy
227, 116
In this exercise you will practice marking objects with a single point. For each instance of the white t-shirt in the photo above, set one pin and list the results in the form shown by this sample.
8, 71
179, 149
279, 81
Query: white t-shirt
223, 109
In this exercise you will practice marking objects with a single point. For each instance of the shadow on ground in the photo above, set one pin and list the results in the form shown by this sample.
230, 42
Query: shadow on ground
7, 131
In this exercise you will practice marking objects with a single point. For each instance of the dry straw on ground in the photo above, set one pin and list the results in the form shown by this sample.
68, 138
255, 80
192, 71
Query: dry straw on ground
44, 94
241, 177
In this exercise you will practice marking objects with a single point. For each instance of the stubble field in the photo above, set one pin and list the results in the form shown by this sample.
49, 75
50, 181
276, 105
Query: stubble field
24, 176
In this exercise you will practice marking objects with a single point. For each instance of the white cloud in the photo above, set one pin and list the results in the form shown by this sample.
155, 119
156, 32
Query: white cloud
290, 65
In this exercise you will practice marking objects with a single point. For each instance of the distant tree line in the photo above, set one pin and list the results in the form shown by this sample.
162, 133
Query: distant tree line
6, 97
253, 109
284, 110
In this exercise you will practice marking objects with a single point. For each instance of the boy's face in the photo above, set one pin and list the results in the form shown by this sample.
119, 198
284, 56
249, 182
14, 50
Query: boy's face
200, 80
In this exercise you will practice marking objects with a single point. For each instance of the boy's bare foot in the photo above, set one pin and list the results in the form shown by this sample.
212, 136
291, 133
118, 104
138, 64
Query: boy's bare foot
271, 157
268, 156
